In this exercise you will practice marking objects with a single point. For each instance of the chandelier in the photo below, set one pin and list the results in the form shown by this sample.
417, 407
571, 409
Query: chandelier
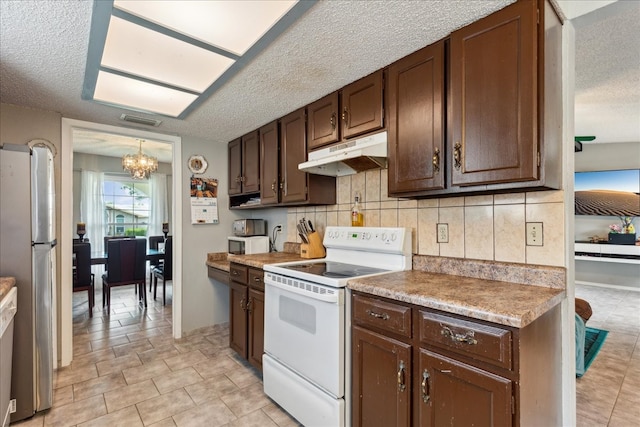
139, 165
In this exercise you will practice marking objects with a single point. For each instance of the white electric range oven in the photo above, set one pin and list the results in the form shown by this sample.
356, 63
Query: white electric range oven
307, 320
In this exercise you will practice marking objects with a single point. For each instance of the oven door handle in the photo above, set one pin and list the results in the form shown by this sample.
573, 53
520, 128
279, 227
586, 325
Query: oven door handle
329, 298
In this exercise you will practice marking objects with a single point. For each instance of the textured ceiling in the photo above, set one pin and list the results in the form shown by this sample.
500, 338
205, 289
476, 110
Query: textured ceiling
607, 100
43, 47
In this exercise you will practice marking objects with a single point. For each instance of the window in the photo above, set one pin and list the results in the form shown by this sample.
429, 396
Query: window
127, 205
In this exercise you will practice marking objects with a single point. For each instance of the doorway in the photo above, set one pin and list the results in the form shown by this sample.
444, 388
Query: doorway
67, 222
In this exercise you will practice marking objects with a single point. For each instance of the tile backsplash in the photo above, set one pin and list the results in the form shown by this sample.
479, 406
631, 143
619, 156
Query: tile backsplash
487, 227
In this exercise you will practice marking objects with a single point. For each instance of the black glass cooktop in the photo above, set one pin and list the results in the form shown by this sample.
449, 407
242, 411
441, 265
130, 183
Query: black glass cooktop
332, 269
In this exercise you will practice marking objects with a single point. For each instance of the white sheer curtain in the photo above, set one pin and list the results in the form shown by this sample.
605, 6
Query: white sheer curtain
159, 209
92, 208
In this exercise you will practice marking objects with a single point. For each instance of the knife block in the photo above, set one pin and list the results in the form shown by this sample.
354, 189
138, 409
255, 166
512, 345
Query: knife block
313, 249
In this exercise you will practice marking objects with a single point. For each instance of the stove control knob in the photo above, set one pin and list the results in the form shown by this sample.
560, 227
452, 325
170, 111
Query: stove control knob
393, 237
367, 236
384, 237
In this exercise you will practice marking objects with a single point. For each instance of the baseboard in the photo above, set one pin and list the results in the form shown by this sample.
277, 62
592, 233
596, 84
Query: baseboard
607, 285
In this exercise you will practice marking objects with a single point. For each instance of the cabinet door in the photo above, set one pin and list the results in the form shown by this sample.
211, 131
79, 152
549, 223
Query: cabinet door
293, 151
251, 163
235, 166
494, 109
256, 327
416, 121
238, 318
362, 109
453, 393
381, 380
323, 127
270, 163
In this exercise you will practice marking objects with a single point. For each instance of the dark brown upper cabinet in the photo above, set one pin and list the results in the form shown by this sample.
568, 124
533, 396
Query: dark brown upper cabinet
293, 152
270, 162
354, 110
416, 128
502, 124
235, 166
323, 122
362, 107
494, 98
244, 164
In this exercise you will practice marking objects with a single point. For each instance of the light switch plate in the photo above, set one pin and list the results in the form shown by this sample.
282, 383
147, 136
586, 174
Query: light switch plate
442, 233
534, 234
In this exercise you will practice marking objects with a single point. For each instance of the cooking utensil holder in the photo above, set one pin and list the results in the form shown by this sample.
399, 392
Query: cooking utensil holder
313, 249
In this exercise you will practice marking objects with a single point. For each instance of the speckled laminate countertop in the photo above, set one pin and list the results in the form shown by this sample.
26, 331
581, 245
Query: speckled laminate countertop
218, 260
504, 303
259, 260
6, 283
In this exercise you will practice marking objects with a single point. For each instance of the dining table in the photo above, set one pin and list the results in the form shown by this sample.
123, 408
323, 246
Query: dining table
153, 255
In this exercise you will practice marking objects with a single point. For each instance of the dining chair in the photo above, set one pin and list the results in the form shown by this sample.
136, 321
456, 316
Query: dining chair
153, 244
109, 238
83, 278
165, 270
126, 265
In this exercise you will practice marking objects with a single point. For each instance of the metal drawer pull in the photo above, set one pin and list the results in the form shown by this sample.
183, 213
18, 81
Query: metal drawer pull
457, 155
257, 279
401, 384
468, 337
436, 160
333, 121
249, 305
383, 316
242, 305
425, 386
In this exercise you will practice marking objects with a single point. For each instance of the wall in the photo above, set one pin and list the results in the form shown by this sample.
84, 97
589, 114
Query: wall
205, 301
19, 125
490, 227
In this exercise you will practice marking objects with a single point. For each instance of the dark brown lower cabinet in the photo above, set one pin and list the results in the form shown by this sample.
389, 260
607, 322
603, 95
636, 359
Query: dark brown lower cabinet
381, 380
246, 312
238, 318
452, 393
256, 327
414, 366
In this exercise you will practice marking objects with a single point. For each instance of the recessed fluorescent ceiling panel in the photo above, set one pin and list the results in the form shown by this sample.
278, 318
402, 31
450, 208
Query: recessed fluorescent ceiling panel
167, 57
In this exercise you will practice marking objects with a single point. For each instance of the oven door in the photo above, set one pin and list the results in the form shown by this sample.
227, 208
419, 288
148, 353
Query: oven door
304, 330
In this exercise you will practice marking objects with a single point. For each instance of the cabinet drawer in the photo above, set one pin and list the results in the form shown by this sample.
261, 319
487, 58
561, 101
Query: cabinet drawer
256, 279
481, 342
238, 273
385, 315
217, 274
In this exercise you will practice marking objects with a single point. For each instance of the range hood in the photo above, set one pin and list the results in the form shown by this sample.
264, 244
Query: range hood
348, 158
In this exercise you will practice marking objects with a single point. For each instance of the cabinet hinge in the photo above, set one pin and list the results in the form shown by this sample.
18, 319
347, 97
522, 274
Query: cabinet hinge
538, 159
513, 405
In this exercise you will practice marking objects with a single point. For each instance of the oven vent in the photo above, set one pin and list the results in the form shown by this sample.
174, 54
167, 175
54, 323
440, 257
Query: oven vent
300, 284
140, 120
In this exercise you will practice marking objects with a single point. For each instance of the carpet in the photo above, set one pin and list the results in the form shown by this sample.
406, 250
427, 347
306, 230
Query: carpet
594, 338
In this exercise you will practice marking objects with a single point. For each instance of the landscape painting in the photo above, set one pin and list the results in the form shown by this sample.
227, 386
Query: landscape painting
609, 193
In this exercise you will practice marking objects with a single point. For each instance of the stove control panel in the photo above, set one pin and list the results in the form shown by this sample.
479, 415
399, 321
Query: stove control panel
377, 239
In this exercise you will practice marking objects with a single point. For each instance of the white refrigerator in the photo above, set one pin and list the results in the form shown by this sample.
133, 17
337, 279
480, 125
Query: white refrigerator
27, 252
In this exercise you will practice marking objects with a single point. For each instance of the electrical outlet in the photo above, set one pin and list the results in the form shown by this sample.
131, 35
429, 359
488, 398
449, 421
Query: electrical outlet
279, 228
442, 233
12, 406
534, 234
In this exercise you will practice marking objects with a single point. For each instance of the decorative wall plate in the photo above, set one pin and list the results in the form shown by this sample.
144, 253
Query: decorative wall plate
197, 164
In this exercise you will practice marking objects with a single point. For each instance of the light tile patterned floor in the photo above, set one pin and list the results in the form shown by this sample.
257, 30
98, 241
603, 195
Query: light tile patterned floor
609, 392
127, 370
